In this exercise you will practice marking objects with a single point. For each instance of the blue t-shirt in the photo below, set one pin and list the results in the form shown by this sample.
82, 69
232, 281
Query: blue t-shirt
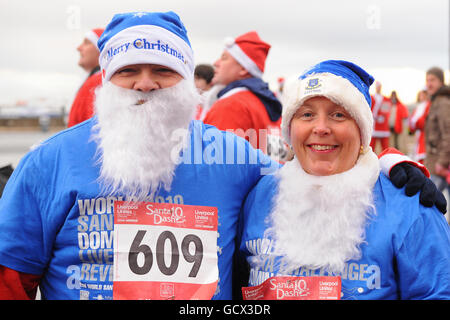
55, 222
406, 253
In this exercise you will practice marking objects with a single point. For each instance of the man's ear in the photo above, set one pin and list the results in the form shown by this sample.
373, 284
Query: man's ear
243, 73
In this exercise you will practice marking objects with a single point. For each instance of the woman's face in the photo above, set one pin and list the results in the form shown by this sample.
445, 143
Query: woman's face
325, 138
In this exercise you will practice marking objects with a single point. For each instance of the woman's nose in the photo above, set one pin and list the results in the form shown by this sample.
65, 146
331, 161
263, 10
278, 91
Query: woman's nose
321, 126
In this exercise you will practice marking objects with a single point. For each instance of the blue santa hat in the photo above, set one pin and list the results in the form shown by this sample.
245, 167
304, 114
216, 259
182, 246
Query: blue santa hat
342, 82
146, 38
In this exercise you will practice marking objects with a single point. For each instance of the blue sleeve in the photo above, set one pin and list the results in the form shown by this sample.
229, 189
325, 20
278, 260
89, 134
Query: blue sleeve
257, 209
423, 259
21, 226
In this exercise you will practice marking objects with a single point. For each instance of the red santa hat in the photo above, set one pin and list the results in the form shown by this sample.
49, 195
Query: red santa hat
250, 51
93, 35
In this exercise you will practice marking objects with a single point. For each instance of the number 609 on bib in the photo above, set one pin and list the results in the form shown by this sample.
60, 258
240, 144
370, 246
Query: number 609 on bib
164, 251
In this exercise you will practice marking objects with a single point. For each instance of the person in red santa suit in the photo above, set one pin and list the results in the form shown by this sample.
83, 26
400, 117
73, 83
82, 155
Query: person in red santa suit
417, 125
82, 106
246, 106
203, 75
381, 106
397, 115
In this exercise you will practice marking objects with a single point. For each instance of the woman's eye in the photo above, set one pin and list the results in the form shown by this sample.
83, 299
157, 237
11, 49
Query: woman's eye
339, 115
303, 114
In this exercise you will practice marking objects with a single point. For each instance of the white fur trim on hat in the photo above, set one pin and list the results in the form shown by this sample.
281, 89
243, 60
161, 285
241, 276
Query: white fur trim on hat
242, 58
147, 44
337, 89
92, 37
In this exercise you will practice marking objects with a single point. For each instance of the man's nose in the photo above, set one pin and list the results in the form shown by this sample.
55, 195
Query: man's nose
146, 83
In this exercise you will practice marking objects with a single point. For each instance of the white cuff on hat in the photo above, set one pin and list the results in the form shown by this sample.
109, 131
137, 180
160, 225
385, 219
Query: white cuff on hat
147, 44
92, 37
242, 58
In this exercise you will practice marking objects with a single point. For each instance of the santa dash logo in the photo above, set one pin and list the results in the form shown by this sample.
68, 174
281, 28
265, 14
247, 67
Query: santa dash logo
289, 288
164, 215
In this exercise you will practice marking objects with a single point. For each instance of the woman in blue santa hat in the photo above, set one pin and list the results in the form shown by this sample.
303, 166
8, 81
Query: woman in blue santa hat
329, 211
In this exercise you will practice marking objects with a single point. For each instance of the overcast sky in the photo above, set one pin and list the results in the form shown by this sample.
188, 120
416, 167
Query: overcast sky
396, 41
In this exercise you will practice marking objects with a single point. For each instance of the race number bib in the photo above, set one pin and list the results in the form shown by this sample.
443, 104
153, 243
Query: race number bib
295, 288
164, 251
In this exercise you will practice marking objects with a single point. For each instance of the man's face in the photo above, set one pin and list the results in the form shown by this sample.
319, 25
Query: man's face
145, 77
433, 84
201, 84
140, 128
88, 55
378, 87
227, 69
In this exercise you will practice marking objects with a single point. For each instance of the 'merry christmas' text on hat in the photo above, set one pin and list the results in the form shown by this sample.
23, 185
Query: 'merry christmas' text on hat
250, 51
342, 82
93, 35
146, 38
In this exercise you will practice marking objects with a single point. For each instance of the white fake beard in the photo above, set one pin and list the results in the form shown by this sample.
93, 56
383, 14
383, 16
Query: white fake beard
319, 221
136, 134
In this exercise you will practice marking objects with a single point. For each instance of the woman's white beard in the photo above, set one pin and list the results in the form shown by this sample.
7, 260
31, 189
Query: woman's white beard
138, 136
319, 222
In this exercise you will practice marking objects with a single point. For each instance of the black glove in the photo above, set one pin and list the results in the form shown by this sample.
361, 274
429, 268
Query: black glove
415, 180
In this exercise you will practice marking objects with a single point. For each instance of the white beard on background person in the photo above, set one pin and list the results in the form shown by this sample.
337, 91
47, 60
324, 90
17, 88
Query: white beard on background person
319, 222
135, 133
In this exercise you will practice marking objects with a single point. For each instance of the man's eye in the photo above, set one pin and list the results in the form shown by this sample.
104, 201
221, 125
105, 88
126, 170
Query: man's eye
126, 70
164, 70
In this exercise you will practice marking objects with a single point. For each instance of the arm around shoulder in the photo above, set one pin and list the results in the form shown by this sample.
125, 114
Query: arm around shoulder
423, 258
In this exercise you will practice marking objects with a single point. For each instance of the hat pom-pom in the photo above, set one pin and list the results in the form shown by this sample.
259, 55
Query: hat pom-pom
229, 41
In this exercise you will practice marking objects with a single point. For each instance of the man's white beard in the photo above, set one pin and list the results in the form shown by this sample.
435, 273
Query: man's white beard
138, 136
319, 222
